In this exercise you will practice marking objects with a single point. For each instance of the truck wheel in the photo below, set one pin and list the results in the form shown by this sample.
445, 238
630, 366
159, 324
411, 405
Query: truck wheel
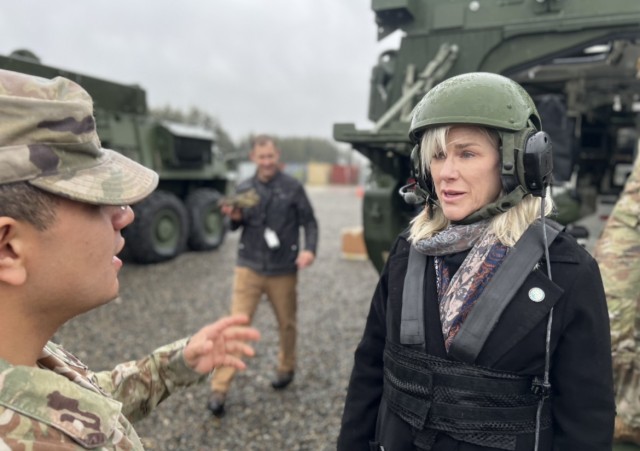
159, 231
208, 226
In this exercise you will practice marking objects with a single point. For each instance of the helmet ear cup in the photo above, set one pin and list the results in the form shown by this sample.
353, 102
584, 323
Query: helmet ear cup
527, 161
423, 179
537, 162
416, 167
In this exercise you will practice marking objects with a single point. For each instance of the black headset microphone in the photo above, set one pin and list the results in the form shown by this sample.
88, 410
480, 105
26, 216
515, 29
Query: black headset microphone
417, 192
409, 195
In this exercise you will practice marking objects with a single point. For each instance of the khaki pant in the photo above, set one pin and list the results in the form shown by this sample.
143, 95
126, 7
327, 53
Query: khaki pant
248, 288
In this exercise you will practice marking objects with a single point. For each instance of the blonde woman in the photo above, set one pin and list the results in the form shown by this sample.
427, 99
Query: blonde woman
488, 329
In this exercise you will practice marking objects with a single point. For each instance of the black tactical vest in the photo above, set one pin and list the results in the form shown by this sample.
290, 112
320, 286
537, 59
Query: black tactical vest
468, 402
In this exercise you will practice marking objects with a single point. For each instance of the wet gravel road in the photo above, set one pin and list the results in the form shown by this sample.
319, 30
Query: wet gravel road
161, 303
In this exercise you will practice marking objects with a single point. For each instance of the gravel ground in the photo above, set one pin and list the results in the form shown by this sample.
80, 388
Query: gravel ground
161, 303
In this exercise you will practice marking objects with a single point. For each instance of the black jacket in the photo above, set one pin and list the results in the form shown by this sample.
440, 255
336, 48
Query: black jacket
284, 208
582, 402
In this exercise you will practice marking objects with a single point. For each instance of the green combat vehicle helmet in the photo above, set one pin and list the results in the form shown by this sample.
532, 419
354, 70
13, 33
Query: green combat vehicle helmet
479, 98
497, 102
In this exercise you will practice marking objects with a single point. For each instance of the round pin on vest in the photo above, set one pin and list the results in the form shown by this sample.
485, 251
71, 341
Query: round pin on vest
536, 294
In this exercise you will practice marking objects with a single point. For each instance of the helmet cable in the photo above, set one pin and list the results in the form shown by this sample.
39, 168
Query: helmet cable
546, 386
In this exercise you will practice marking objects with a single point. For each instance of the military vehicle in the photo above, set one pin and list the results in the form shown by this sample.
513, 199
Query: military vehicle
579, 60
183, 212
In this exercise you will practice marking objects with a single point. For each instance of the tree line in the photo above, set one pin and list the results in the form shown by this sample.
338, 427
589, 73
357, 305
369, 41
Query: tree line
292, 149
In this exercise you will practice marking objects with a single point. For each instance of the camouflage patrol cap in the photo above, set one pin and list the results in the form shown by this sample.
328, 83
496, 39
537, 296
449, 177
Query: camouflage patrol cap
48, 138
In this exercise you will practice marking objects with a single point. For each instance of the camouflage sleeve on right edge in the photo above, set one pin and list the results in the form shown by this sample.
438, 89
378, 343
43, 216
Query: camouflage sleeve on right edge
618, 254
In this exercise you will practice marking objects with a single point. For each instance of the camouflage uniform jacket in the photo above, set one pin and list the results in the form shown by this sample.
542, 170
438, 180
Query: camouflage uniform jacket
618, 254
62, 405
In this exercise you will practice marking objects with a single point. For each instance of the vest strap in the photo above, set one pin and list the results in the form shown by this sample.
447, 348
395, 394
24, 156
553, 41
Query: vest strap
504, 284
412, 317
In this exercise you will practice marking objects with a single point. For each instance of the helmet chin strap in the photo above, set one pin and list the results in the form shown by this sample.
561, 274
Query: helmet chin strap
495, 208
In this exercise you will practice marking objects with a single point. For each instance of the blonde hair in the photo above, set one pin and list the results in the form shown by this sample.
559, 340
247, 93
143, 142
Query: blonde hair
508, 226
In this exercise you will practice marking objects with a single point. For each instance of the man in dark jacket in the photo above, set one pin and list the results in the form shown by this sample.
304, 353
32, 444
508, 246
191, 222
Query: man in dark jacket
269, 256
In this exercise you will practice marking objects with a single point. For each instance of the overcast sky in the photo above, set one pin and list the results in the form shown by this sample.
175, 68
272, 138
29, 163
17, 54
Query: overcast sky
288, 67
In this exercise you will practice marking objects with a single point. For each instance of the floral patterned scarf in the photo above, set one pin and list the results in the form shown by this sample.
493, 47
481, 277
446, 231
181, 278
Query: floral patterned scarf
457, 294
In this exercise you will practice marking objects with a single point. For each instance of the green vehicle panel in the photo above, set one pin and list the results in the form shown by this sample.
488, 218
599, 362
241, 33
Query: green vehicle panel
579, 60
183, 212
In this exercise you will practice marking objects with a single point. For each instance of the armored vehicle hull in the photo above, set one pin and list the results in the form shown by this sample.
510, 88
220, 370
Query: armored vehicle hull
579, 59
183, 212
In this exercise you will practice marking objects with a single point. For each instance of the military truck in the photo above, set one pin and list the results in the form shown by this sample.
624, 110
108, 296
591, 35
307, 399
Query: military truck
579, 60
182, 213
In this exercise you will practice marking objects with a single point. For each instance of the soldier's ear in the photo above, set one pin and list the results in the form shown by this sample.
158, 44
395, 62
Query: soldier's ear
12, 268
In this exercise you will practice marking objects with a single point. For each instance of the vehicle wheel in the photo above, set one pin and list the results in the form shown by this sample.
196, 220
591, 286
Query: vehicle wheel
208, 225
160, 229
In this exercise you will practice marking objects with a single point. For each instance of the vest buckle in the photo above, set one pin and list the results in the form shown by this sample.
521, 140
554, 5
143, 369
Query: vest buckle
541, 388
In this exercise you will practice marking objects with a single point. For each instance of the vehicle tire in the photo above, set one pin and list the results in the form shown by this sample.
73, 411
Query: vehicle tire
159, 231
207, 226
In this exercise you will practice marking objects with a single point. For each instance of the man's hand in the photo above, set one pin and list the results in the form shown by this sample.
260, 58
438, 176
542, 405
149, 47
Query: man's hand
234, 213
219, 344
305, 259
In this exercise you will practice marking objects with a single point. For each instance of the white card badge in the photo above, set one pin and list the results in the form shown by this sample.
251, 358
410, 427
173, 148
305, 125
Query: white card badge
271, 238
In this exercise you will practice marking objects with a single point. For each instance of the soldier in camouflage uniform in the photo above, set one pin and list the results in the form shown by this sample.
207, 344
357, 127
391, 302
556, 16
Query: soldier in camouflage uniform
618, 254
63, 203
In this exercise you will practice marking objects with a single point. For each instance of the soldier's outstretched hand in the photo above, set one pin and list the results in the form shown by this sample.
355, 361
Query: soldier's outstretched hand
221, 344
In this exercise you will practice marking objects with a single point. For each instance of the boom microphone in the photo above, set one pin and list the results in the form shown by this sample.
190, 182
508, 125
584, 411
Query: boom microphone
409, 195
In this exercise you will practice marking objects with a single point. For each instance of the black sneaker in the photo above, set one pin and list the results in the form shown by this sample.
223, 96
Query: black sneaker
216, 403
282, 379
